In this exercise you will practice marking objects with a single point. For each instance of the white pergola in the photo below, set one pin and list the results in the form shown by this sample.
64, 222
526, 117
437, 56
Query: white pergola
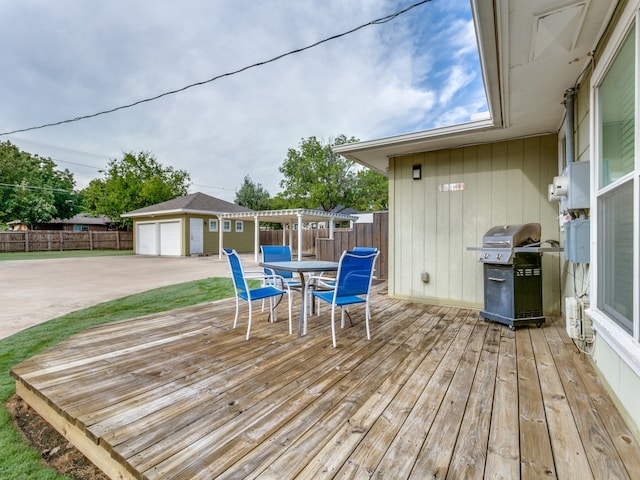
288, 218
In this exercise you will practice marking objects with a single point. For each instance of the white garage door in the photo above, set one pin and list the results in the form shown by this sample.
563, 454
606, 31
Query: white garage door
170, 236
146, 239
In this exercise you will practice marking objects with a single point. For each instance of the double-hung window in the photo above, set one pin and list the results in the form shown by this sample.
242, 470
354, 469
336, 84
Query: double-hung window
616, 171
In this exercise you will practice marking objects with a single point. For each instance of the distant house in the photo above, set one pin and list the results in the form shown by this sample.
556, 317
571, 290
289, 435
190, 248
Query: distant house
190, 225
78, 223
339, 223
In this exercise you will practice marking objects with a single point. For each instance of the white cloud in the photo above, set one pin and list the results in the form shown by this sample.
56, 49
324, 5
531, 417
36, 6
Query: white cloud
463, 37
458, 78
70, 58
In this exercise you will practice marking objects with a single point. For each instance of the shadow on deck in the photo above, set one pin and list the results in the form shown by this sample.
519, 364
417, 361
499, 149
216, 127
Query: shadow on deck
436, 393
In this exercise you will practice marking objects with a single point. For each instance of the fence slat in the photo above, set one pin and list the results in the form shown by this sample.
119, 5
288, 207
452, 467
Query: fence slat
50, 240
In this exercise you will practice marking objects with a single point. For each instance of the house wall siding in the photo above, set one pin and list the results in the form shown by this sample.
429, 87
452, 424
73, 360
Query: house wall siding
430, 229
622, 382
242, 242
581, 112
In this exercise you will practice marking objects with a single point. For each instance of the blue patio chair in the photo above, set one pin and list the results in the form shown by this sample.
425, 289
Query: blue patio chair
270, 290
352, 286
279, 253
330, 282
365, 249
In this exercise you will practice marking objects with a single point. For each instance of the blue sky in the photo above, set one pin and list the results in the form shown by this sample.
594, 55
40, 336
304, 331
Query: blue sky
70, 58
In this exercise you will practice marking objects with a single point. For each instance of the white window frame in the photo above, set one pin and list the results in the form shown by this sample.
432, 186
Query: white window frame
625, 345
239, 226
226, 225
213, 224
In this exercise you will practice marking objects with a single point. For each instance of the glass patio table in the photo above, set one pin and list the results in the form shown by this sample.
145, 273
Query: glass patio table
302, 267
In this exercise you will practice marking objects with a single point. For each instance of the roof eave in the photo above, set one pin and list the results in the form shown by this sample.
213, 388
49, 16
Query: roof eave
176, 211
375, 153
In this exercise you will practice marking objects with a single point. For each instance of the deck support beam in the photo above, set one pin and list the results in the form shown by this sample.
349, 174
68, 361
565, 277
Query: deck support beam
95, 454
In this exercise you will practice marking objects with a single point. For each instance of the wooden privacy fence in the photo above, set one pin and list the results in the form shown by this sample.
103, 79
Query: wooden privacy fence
316, 241
59, 240
309, 236
374, 234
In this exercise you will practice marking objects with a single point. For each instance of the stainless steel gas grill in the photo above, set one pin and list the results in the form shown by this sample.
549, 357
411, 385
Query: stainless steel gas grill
512, 264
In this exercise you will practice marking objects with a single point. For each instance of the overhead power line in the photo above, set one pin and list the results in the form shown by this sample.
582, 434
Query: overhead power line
378, 21
208, 186
33, 187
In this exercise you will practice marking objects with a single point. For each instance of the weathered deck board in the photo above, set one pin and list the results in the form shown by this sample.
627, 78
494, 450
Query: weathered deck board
298, 394
503, 452
437, 392
536, 457
601, 453
569, 453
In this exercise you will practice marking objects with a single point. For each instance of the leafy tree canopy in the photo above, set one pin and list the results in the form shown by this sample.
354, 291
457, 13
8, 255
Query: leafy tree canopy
314, 176
32, 190
372, 191
133, 182
252, 195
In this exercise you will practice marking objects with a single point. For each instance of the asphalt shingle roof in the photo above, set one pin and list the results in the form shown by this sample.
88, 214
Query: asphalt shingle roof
193, 202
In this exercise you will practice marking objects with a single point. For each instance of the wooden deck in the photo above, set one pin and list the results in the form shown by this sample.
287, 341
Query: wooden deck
436, 393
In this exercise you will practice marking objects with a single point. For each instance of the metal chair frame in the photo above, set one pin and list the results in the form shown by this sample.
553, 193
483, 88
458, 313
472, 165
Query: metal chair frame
352, 286
269, 289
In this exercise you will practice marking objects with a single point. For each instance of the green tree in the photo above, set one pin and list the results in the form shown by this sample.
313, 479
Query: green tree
252, 195
371, 191
278, 202
135, 181
315, 176
32, 190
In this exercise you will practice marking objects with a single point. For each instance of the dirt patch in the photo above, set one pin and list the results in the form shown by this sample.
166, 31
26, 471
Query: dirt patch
55, 451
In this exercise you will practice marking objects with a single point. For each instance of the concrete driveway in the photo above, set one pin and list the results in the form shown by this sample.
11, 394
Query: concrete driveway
34, 291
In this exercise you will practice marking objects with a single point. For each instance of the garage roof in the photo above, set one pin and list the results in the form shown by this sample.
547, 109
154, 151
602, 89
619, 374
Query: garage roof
192, 203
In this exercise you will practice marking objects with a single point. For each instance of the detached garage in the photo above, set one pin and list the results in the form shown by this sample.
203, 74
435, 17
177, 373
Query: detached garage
189, 225
158, 237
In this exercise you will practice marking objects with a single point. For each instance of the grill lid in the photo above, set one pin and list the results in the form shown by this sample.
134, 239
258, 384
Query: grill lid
499, 242
511, 236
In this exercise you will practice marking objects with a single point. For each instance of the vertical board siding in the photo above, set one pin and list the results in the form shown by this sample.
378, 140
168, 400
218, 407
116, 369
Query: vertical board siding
392, 224
531, 168
456, 214
505, 183
483, 176
443, 223
582, 108
551, 262
516, 175
427, 260
471, 274
498, 190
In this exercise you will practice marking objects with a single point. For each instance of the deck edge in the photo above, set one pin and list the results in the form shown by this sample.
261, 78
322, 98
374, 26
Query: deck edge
94, 453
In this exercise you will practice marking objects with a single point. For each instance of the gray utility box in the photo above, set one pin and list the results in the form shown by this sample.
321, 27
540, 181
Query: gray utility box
577, 197
577, 241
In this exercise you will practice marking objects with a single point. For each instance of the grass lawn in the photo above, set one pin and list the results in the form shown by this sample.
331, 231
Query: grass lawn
63, 254
19, 460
